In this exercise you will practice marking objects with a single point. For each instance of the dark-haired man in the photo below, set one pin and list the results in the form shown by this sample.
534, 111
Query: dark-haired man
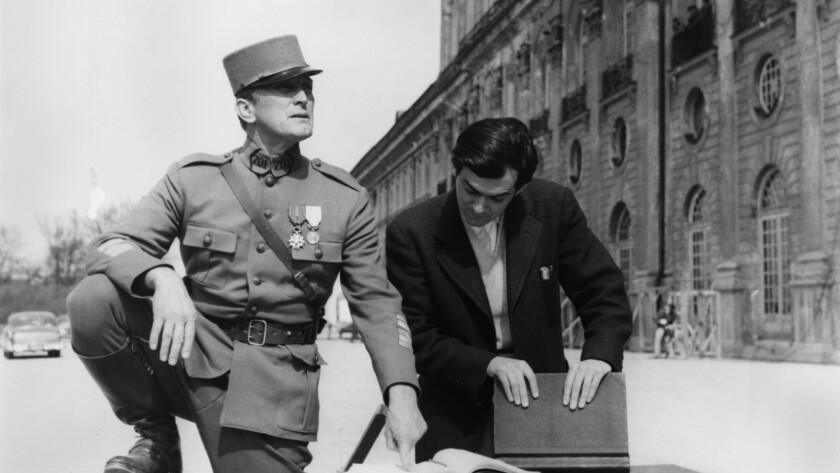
480, 269
264, 233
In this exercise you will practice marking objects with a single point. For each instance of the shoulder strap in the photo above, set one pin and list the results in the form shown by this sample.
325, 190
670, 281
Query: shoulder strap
267, 231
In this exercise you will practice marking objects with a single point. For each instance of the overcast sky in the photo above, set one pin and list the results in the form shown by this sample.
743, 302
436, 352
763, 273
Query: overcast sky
121, 89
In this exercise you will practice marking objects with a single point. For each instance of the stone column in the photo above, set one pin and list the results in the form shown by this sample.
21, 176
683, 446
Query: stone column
727, 182
814, 314
811, 106
645, 214
446, 35
735, 310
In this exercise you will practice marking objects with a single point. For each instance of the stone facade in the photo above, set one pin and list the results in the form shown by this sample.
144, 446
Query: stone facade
719, 177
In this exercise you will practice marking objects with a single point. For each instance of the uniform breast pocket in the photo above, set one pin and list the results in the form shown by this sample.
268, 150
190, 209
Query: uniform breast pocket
320, 263
208, 253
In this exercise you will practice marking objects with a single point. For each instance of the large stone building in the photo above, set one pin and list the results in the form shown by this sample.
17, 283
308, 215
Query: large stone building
701, 139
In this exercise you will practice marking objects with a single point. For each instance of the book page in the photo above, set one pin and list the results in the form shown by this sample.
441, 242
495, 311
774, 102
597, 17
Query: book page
423, 467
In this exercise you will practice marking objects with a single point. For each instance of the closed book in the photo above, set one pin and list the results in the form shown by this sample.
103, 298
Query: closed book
548, 434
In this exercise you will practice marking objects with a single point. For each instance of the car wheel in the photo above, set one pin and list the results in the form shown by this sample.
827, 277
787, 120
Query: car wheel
9, 354
54, 353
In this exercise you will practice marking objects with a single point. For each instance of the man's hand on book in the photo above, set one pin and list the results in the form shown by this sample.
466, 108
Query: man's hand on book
515, 376
582, 382
404, 425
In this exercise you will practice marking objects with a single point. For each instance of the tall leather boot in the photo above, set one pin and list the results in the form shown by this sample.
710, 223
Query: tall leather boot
126, 378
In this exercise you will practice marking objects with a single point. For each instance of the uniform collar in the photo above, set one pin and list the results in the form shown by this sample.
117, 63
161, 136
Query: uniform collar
260, 162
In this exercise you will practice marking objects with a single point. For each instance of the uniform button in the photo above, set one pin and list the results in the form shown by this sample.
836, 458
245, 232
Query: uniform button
317, 163
319, 253
257, 281
269, 181
321, 311
254, 309
227, 155
260, 247
208, 240
268, 213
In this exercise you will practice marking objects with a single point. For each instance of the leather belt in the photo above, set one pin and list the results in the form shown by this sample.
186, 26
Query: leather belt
267, 333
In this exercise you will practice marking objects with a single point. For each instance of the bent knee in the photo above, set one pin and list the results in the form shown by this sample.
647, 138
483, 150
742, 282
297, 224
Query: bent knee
92, 294
90, 303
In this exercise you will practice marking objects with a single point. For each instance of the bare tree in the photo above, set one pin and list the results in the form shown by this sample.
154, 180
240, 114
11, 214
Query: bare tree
66, 238
9, 248
110, 215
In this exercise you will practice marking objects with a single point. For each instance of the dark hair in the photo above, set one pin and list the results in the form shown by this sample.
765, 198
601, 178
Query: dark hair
489, 146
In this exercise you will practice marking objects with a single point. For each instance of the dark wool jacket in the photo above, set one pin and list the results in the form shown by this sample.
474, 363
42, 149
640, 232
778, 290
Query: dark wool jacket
431, 263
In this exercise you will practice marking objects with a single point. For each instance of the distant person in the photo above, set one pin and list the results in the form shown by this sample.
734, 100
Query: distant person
232, 346
706, 9
693, 15
480, 270
665, 319
676, 25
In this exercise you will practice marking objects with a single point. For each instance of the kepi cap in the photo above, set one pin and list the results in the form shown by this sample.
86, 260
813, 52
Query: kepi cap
267, 62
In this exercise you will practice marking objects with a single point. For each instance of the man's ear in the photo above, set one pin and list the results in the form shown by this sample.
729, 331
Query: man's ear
245, 110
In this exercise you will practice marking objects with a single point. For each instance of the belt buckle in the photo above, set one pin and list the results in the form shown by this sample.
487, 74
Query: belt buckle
265, 331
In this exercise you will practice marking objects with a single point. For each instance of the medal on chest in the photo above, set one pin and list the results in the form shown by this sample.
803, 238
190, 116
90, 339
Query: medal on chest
313, 221
297, 215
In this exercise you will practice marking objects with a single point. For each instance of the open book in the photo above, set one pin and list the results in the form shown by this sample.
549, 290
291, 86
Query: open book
450, 460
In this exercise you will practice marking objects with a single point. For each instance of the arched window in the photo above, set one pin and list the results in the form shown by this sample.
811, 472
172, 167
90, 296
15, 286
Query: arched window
620, 229
774, 244
698, 241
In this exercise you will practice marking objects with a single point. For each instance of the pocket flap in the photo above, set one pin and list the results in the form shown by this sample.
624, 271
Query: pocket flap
215, 239
307, 354
330, 252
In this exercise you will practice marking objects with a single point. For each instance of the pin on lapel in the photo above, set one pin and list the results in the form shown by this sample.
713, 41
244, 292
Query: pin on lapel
545, 273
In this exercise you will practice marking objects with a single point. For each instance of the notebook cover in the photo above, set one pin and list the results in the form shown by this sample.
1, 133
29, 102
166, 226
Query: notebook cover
547, 428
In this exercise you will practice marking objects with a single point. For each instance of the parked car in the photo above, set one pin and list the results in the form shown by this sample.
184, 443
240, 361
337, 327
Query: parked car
31, 333
64, 325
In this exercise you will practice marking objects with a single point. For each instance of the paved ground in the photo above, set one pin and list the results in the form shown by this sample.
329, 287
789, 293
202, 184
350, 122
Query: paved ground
707, 415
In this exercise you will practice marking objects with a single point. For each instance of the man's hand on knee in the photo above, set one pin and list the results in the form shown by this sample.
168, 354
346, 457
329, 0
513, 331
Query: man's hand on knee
404, 425
174, 315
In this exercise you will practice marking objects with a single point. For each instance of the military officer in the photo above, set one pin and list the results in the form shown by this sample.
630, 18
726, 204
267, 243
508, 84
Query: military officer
232, 346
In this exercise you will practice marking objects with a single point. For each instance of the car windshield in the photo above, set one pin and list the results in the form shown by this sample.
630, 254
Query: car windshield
34, 319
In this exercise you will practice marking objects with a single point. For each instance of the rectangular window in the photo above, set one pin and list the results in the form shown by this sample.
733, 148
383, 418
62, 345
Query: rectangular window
775, 265
700, 267
624, 264
629, 43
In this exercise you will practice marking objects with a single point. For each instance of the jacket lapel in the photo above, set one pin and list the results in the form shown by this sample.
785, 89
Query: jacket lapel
522, 233
456, 255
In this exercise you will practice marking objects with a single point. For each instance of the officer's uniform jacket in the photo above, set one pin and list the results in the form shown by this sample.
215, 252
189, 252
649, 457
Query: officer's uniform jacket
232, 273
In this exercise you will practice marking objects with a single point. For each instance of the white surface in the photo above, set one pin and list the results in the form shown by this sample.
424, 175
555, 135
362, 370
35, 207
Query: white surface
712, 416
